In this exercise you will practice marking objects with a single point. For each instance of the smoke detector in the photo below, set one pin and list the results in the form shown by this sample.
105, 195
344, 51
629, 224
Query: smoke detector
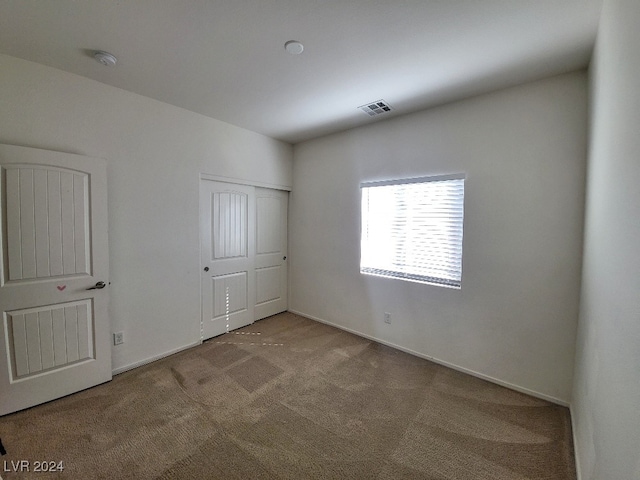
294, 47
375, 108
105, 58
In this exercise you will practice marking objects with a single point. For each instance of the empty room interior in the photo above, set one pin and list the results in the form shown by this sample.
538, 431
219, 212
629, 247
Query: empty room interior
320, 239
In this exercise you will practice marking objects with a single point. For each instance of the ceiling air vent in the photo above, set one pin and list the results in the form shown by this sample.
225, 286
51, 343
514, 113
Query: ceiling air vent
375, 108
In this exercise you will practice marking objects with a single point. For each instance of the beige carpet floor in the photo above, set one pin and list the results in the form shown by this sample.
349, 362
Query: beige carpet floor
291, 398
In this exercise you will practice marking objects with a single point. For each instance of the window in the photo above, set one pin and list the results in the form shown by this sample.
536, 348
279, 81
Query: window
412, 229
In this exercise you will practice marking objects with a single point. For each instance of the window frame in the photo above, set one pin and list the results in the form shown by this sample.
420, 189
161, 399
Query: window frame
408, 276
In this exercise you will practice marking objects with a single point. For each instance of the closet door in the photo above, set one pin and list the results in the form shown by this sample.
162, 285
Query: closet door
243, 233
227, 229
271, 252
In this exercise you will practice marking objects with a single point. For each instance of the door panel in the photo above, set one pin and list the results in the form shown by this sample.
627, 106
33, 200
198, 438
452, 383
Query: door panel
47, 222
228, 257
271, 252
49, 337
55, 334
229, 225
269, 205
268, 284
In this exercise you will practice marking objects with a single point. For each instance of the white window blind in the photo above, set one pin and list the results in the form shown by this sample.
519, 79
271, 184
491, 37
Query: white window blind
412, 229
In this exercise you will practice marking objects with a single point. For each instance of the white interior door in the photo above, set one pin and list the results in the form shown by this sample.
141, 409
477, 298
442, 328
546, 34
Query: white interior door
271, 252
228, 256
55, 334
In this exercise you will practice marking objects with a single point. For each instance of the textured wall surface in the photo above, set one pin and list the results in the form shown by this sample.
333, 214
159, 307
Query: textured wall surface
155, 153
523, 151
606, 396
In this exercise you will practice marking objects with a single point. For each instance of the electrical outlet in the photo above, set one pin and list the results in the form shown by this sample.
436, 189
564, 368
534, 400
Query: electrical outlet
118, 338
387, 317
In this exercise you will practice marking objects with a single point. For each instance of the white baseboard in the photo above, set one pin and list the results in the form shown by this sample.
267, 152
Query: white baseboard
497, 381
131, 366
575, 443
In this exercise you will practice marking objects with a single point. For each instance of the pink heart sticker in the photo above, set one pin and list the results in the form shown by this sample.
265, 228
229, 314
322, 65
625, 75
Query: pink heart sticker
61, 287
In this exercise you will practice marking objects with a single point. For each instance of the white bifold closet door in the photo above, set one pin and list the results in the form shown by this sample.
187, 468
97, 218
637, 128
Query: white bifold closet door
243, 255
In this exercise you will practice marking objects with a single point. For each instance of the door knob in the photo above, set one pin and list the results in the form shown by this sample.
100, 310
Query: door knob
206, 269
98, 286
284, 258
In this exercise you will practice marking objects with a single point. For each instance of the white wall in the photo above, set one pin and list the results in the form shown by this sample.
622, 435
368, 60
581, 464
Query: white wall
524, 153
606, 396
155, 153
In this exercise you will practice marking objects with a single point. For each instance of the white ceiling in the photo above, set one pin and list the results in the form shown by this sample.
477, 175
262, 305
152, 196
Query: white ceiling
226, 58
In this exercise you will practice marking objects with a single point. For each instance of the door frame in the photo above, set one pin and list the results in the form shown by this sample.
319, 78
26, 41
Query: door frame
233, 181
240, 181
